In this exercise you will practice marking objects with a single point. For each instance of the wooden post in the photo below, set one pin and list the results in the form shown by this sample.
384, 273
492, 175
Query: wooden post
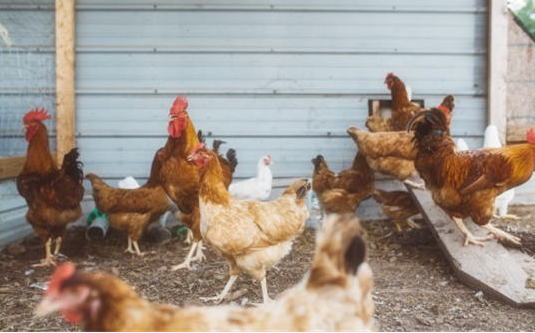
65, 89
497, 66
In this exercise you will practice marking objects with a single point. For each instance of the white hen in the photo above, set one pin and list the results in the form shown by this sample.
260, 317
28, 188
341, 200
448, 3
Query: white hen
257, 188
492, 140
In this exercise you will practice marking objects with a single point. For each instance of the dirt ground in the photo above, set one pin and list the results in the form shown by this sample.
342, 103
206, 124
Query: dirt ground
415, 288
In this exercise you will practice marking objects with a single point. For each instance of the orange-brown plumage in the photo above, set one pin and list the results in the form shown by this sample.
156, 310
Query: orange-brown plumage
179, 178
132, 210
53, 194
393, 153
342, 192
397, 205
465, 184
335, 296
402, 109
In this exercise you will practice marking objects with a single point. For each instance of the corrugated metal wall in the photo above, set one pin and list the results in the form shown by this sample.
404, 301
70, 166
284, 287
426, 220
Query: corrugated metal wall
27, 80
284, 77
278, 77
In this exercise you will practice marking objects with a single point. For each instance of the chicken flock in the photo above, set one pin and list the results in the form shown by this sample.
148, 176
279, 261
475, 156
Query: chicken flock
252, 234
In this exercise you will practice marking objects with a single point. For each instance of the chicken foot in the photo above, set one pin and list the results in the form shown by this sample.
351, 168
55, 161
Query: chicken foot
48, 261
502, 235
187, 261
224, 292
468, 237
411, 224
507, 217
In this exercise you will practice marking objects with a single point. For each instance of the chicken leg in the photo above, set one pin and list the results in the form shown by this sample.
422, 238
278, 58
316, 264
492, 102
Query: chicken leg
136, 247
48, 261
187, 261
468, 237
265, 295
224, 292
199, 255
58, 245
129, 248
502, 235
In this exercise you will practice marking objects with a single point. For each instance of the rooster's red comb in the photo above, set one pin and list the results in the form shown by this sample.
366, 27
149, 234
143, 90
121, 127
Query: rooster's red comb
444, 109
61, 274
36, 114
531, 136
179, 105
390, 74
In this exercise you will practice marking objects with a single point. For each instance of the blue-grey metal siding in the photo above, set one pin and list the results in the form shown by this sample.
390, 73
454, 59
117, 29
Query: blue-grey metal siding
278, 77
27, 80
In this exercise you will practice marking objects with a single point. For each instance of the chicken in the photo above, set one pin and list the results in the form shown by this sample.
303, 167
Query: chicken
53, 194
342, 192
132, 210
402, 108
179, 178
251, 235
399, 206
334, 296
258, 187
392, 153
466, 183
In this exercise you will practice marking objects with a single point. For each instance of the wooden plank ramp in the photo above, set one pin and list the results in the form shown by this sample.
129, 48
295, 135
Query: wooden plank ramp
500, 272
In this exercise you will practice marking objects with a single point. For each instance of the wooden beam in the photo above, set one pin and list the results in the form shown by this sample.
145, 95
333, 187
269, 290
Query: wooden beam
10, 166
497, 66
497, 271
65, 89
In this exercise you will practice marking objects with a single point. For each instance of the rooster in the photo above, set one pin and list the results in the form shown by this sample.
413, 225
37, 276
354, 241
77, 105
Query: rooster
180, 179
132, 210
53, 194
251, 235
336, 295
466, 183
342, 192
402, 108
256, 188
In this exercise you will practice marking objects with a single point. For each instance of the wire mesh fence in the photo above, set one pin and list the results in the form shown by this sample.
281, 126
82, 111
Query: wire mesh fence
27, 76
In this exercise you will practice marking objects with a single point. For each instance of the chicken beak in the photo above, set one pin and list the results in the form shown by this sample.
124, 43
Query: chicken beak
189, 158
47, 306
351, 130
172, 117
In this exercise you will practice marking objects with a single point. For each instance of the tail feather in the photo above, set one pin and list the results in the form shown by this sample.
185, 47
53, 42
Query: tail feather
216, 144
72, 167
232, 159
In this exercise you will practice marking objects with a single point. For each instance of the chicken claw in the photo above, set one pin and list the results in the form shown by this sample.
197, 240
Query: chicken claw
45, 263
223, 293
48, 261
468, 237
187, 261
199, 255
502, 235
507, 217
471, 239
413, 225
